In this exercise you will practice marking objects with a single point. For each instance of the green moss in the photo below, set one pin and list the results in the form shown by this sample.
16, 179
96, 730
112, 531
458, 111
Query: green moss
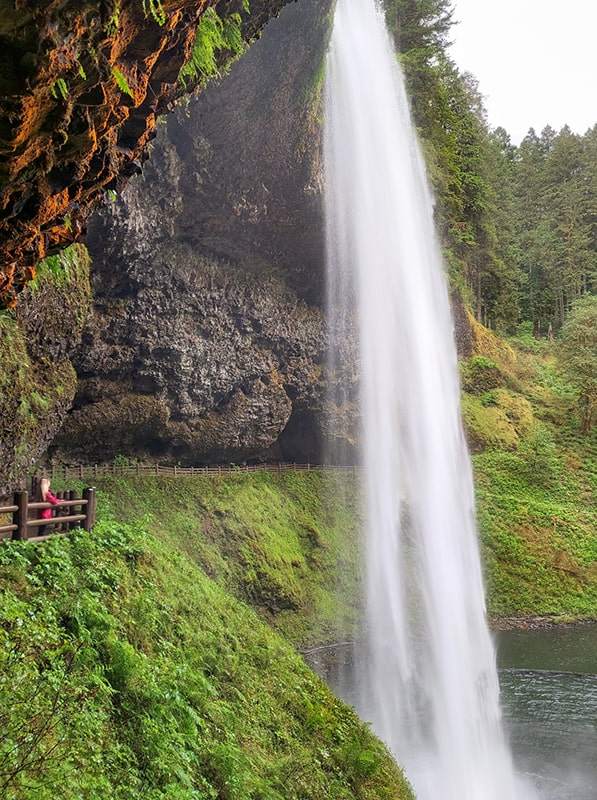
480, 374
496, 419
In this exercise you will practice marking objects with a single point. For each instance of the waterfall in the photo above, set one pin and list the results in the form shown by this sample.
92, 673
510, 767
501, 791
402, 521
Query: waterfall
430, 688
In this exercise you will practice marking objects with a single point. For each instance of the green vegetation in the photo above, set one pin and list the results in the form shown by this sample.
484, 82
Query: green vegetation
129, 673
59, 89
155, 8
536, 481
578, 352
277, 541
218, 42
121, 81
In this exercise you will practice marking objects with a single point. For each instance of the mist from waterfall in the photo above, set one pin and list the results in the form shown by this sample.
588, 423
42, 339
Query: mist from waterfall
430, 688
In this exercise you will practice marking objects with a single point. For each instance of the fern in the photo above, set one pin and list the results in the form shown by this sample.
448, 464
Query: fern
155, 8
114, 21
213, 35
7, 318
59, 88
232, 34
121, 81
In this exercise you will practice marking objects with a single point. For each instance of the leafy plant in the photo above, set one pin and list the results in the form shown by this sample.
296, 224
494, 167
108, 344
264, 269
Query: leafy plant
121, 81
213, 36
155, 8
59, 89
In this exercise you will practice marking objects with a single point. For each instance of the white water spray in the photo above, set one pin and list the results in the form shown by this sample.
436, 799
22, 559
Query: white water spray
431, 690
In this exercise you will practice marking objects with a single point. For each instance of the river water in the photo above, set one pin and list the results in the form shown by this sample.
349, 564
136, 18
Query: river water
548, 683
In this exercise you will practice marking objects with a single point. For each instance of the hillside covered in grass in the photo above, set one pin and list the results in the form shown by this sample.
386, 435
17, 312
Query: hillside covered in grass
287, 544
536, 480
128, 673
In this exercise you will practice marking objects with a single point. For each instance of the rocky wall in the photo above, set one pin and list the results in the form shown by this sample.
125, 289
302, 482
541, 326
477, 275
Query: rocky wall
206, 342
81, 86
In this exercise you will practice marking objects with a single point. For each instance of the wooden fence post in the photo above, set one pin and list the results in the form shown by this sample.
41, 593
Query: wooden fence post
89, 521
19, 517
72, 495
58, 526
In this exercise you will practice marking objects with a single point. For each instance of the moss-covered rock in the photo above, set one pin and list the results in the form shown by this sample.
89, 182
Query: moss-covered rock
37, 379
496, 418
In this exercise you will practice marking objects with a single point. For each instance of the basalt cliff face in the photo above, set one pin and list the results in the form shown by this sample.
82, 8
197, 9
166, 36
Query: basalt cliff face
206, 340
81, 86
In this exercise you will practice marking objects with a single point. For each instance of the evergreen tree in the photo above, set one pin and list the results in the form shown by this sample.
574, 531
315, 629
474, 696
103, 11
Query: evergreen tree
555, 188
578, 351
568, 213
450, 117
531, 235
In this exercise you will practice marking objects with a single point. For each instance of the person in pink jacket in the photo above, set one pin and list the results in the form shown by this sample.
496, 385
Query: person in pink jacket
45, 496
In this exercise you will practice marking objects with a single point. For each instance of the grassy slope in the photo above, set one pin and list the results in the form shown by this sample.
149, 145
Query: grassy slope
285, 543
536, 481
129, 673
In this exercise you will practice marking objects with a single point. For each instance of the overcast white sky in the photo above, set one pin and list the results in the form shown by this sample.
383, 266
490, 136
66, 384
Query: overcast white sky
535, 60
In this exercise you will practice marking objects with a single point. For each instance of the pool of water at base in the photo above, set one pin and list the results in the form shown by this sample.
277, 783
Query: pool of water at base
548, 681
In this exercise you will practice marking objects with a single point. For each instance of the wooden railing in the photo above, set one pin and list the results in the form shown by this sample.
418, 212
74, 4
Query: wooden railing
70, 512
88, 472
